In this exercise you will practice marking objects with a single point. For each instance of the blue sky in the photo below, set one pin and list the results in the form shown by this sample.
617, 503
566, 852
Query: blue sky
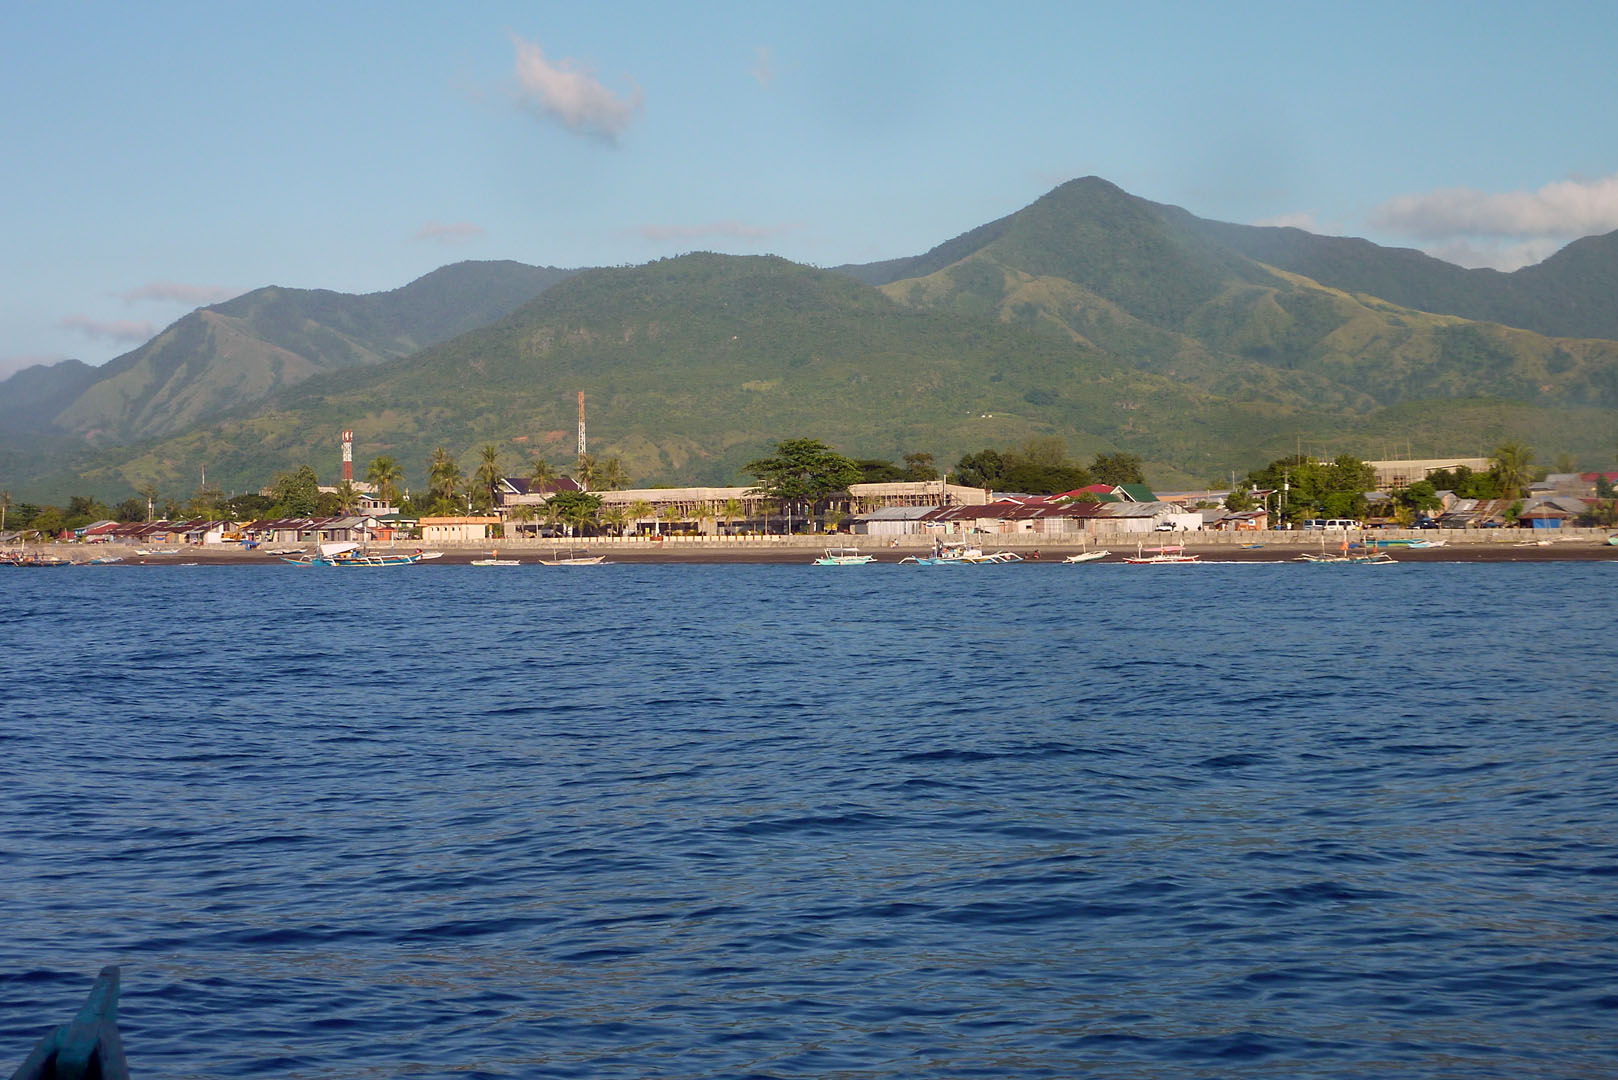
155, 157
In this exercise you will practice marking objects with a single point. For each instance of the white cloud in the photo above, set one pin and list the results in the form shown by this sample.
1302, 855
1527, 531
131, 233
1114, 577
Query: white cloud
124, 331
571, 95
1495, 254
175, 292
1505, 230
449, 232
764, 67
730, 230
1562, 210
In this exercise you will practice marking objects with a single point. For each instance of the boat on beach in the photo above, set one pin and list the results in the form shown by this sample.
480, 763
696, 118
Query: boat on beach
494, 559
844, 556
1087, 556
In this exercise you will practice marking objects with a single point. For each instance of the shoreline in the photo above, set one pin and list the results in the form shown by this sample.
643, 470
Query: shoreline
1587, 546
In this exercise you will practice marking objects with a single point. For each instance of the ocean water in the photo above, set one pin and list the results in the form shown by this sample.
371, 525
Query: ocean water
785, 821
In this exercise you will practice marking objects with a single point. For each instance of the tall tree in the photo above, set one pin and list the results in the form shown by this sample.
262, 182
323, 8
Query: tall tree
1119, 468
444, 482
348, 496
541, 475
802, 471
640, 510
384, 475
296, 493
613, 475
487, 476
1513, 466
5, 506
587, 471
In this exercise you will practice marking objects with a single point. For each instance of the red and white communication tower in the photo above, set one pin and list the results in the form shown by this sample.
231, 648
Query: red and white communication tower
348, 456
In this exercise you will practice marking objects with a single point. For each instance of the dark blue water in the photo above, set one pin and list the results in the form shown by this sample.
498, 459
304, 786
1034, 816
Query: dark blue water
693, 821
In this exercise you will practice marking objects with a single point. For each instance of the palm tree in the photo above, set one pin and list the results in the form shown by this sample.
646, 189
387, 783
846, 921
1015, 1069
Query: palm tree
730, 511
1513, 465
487, 475
522, 514
670, 512
444, 481
384, 475
579, 516
585, 472
703, 513
348, 496
617, 516
541, 475
641, 510
5, 504
613, 476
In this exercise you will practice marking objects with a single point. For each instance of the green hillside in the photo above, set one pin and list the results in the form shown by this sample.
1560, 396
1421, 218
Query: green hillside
233, 355
1106, 320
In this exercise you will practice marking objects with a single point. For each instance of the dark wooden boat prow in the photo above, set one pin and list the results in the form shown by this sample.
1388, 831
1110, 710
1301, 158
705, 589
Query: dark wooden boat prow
88, 1048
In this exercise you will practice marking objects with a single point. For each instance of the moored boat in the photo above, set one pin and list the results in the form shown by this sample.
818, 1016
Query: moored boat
1156, 556
573, 558
1087, 556
844, 556
347, 554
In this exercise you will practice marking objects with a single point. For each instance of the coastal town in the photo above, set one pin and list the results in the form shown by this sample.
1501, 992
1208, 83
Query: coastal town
547, 509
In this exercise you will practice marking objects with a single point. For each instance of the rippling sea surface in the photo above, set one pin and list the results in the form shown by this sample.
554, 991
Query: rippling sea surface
787, 821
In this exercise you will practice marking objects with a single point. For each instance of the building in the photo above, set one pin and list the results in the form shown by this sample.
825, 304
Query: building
1398, 474
457, 530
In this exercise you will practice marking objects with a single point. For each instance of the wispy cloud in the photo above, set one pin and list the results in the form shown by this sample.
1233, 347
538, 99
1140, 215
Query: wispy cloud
1502, 229
727, 230
120, 331
174, 292
449, 232
764, 67
571, 95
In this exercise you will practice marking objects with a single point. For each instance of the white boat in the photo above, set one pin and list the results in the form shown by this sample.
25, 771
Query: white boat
1087, 556
844, 556
347, 554
961, 555
573, 558
494, 559
1156, 556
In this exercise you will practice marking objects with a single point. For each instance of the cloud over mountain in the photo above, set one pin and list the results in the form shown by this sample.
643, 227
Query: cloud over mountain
175, 292
130, 331
571, 95
1502, 229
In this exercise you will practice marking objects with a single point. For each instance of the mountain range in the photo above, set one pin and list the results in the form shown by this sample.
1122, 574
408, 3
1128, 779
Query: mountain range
1105, 319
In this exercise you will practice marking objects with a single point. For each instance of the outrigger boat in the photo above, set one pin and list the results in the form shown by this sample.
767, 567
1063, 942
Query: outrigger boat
1155, 556
88, 1046
349, 555
574, 558
494, 559
844, 556
960, 555
1087, 556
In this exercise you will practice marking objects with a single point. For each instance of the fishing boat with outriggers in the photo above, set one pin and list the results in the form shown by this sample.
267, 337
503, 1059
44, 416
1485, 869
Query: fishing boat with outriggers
944, 554
494, 559
577, 557
349, 554
1160, 556
844, 556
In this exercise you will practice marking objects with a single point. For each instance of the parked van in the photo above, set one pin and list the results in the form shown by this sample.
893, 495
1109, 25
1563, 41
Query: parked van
1344, 524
